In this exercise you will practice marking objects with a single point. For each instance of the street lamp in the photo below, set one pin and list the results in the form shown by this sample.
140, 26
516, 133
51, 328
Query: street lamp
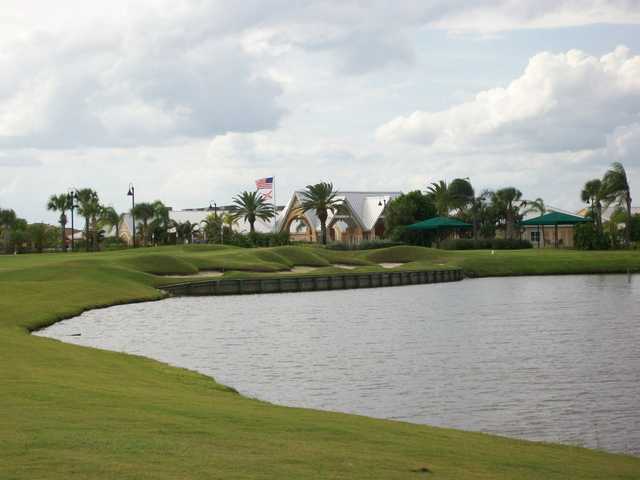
213, 206
132, 193
72, 195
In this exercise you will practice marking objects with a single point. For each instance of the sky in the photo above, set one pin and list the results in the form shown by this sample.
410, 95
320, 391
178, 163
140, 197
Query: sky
193, 101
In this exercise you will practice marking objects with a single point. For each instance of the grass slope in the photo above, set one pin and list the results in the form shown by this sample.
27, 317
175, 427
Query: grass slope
68, 411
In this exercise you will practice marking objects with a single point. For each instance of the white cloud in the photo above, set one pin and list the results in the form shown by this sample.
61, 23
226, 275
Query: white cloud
149, 83
568, 101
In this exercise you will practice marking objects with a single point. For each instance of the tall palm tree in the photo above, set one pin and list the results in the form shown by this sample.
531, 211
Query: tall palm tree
161, 221
111, 218
507, 202
89, 208
441, 197
616, 189
144, 212
463, 197
60, 203
321, 198
537, 206
251, 206
7, 221
592, 194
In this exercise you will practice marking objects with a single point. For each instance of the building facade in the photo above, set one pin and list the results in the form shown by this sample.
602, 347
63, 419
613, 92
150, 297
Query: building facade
359, 217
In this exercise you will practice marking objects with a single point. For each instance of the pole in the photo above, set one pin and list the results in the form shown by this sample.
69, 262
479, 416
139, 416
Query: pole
275, 207
73, 201
133, 219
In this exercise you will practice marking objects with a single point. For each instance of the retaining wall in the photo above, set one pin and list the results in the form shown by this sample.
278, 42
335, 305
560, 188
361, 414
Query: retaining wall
312, 282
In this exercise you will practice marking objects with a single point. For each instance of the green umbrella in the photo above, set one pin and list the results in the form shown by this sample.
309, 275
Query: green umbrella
555, 219
439, 223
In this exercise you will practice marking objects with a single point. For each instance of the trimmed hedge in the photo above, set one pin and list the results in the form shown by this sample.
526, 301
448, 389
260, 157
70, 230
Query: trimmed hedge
486, 244
363, 245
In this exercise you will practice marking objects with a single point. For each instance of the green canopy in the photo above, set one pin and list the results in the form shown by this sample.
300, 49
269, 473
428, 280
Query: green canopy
439, 223
555, 218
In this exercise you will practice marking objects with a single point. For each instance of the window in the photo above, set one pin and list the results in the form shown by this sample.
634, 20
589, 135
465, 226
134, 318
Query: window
535, 236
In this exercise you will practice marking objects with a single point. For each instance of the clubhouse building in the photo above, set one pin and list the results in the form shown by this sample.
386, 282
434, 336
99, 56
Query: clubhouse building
360, 216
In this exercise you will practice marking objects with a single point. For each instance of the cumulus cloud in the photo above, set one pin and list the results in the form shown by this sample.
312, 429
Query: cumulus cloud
567, 101
132, 86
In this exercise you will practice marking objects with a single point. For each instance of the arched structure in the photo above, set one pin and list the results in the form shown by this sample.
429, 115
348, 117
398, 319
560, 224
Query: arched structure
359, 217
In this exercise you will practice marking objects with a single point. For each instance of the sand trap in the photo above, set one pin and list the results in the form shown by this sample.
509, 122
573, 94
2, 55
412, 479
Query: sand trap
342, 265
301, 270
210, 273
390, 265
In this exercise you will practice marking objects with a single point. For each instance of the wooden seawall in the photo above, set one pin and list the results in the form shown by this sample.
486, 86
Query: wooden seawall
309, 283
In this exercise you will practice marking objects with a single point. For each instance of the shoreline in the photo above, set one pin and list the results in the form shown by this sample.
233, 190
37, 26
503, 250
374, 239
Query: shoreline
391, 419
82, 383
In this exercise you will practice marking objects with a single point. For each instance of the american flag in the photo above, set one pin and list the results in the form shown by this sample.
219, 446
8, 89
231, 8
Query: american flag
264, 183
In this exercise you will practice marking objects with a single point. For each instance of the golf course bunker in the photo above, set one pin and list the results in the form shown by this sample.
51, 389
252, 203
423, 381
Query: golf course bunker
390, 264
301, 269
344, 266
479, 355
202, 274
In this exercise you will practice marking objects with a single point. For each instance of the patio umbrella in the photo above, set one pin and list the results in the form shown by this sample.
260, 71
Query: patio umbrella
555, 219
439, 224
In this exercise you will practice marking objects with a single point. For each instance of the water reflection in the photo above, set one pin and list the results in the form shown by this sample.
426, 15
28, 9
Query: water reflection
541, 358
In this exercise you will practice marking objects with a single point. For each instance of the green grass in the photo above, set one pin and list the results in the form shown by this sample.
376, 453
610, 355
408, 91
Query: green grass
68, 411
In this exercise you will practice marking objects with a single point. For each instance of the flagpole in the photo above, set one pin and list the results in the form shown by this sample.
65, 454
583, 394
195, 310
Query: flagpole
275, 207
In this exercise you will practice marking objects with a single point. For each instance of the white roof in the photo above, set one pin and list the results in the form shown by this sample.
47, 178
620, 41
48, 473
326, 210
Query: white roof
609, 211
196, 217
365, 207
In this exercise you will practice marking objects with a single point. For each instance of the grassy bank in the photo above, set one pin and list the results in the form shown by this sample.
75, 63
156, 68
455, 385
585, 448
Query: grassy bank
72, 411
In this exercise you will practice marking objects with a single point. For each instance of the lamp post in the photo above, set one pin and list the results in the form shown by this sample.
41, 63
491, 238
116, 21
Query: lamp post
132, 193
72, 195
215, 212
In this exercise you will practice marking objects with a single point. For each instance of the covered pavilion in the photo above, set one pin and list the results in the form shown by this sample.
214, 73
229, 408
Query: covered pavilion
438, 225
554, 219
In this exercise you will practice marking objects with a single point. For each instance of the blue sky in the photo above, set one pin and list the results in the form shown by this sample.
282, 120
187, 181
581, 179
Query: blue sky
194, 101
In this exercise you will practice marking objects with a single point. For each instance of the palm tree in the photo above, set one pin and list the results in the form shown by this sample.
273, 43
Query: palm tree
322, 198
111, 218
7, 221
592, 194
616, 189
60, 203
229, 220
184, 231
144, 212
508, 202
251, 206
463, 196
161, 221
441, 197
89, 208
538, 206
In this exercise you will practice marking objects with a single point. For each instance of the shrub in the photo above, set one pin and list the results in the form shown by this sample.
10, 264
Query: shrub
364, 245
587, 237
485, 244
257, 239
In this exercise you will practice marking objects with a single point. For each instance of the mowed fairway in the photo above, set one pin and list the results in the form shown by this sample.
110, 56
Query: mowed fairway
73, 412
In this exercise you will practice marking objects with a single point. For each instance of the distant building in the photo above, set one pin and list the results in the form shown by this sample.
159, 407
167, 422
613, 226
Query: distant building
359, 217
544, 236
196, 217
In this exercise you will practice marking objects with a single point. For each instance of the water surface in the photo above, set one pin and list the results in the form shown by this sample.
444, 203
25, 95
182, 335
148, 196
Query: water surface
540, 358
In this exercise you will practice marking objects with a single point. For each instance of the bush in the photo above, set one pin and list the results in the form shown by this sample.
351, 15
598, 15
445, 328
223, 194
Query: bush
485, 244
587, 237
256, 239
364, 245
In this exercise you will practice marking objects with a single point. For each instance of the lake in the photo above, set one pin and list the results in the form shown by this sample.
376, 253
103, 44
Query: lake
541, 358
